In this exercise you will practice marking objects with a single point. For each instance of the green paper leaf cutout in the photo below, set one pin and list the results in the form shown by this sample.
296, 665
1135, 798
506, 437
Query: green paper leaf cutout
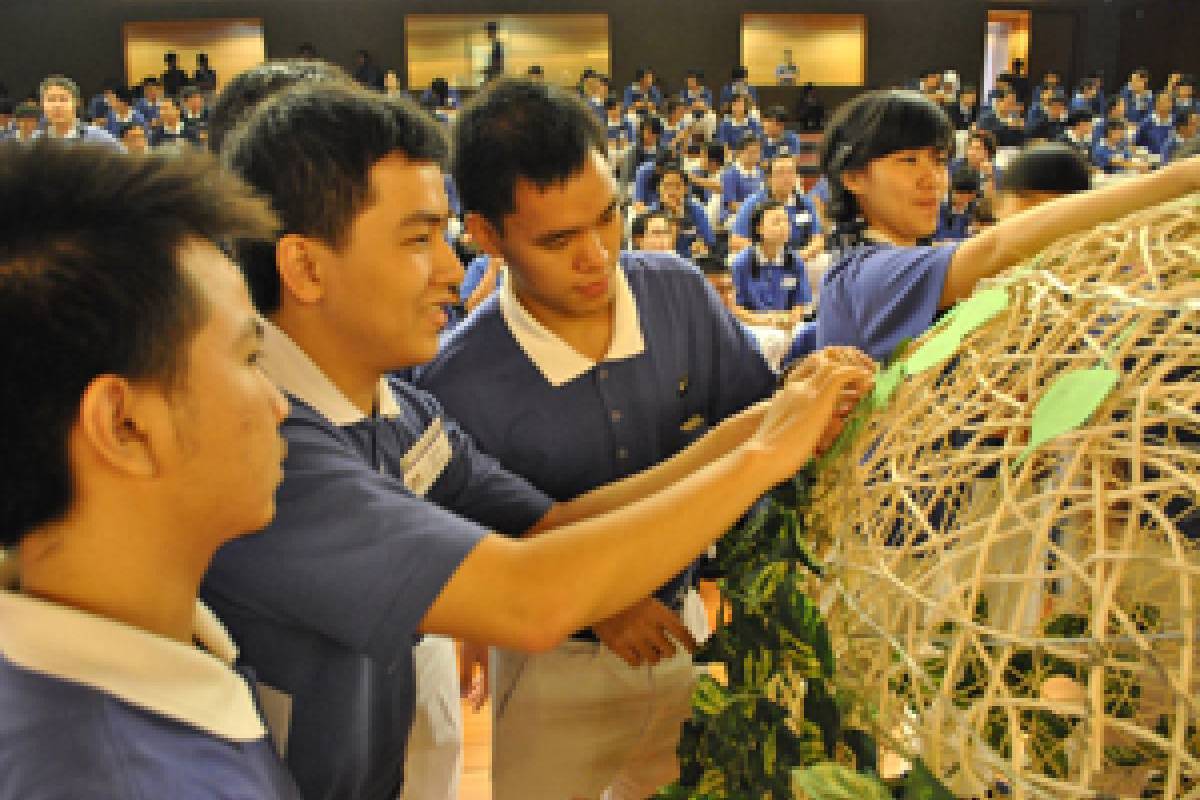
964, 318
829, 781
1067, 404
886, 383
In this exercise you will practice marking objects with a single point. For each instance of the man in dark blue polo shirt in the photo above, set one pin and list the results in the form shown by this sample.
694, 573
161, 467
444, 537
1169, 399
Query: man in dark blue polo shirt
587, 367
129, 346
387, 518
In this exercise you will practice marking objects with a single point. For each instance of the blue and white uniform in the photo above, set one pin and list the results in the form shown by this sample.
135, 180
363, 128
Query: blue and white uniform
577, 719
875, 296
326, 601
738, 184
93, 708
731, 131
802, 216
762, 284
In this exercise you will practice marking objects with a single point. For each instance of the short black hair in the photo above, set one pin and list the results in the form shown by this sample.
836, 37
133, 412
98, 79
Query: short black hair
27, 110
249, 88
756, 217
1078, 116
965, 179
1111, 103
309, 149
518, 129
715, 151
637, 228
1184, 118
90, 285
870, 126
747, 139
667, 165
123, 93
776, 114
739, 73
191, 90
1047, 167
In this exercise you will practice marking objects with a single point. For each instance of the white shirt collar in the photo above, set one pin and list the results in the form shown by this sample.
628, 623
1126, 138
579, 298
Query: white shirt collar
169, 678
558, 362
293, 371
766, 260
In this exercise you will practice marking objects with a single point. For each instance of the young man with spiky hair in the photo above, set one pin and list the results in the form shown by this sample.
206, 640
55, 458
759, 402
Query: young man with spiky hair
139, 435
588, 366
387, 515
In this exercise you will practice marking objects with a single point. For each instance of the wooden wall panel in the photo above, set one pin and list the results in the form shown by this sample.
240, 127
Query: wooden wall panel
828, 49
232, 45
455, 46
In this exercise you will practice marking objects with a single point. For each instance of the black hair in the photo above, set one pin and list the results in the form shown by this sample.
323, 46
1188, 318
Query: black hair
653, 124
776, 114
965, 179
90, 285
747, 139
870, 126
63, 82
123, 93
1186, 79
490, 27
1184, 118
756, 218
518, 129
1078, 116
171, 57
150, 81
969, 88
611, 102
1110, 104
189, 91
27, 110
739, 73
129, 126
666, 165
698, 74
1047, 167
637, 228
715, 151
249, 88
1142, 72
309, 150
673, 104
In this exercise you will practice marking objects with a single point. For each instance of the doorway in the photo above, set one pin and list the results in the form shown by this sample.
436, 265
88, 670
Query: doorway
1007, 41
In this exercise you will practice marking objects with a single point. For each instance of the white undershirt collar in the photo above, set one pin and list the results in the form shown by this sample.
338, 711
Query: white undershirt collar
290, 368
172, 679
558, 362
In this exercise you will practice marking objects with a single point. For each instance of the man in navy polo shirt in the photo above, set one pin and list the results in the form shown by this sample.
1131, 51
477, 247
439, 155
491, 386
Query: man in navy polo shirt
778, 140
587, 367
388, 517
130, 349
781, 186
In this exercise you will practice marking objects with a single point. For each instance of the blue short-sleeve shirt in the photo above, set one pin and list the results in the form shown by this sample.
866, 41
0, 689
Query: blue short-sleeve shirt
876, 296
569, 429
802, 216
326, 601
778, 286
93, 708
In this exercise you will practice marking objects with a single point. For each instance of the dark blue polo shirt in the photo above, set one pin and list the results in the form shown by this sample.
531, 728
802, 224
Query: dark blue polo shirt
778, 286
876, 296
698, 365
325, 602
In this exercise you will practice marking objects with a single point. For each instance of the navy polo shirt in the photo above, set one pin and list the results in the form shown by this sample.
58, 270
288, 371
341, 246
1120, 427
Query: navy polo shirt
875, 296
738, 185
777, 287
326, 601
731, 131
788, 144
801, 213
692, 226
679, 364
93, 708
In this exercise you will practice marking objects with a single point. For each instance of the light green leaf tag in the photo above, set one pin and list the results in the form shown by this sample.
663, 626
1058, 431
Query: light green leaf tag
886, 383
829, 781
964, 318
1067, 404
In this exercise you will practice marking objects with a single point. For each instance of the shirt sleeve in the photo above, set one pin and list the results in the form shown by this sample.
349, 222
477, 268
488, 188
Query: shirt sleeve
476, 486
741, 220
877, 297
351, 553
700, 218
739, 269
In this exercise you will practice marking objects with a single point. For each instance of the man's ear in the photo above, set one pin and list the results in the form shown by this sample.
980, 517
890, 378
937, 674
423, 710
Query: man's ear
483, 233
300, 261
854, 180
123, 426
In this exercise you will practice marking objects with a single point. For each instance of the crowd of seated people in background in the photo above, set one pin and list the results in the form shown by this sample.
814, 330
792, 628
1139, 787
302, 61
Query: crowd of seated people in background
803, 249
697, 167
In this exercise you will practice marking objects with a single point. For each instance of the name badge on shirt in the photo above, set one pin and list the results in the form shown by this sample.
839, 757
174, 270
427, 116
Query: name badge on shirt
425, 461
803, 217
788, 282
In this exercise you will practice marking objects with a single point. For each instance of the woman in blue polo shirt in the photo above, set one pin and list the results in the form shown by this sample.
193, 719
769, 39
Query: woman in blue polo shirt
885, 155
768, 277
696, 236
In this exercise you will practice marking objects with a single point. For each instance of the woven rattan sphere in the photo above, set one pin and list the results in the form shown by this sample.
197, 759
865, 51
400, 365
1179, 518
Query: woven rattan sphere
1024, 613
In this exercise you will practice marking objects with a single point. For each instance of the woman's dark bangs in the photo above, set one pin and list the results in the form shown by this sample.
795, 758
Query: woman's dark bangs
908, 121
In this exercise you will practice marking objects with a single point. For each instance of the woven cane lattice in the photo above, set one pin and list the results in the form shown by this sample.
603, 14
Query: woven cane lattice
1012, 581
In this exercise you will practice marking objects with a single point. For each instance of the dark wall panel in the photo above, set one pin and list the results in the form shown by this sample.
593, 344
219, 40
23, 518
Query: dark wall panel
1161, 36
84, 38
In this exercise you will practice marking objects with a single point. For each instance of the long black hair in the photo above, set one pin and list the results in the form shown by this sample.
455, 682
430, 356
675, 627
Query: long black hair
789, 255
870, 126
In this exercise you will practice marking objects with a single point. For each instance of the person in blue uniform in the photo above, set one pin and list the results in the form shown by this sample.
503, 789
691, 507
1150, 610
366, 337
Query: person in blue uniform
119, 483
739, 84
59, 97
958, 212
596, 365
1187, 127
1004, 121
147, 104
782, 186
776, 138
1139, 98
769, 275
390, 523
642, 94
171, 131
121, 112
964, 111
1113, 154
1185, 93
695, 235
885, 155
1156, 127
694, 91
1079, 132
742, 177
738, 123
1051, 121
